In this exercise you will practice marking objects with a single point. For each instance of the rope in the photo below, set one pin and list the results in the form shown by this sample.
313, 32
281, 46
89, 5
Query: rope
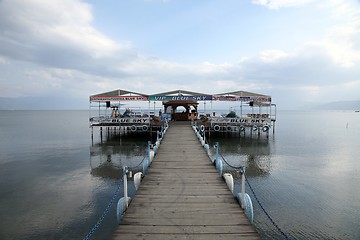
106, 211
133, 167
240, 167
266, 213
206, 141
202, 134
256, 198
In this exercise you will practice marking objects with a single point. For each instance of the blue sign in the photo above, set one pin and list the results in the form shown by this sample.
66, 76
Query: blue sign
180, 98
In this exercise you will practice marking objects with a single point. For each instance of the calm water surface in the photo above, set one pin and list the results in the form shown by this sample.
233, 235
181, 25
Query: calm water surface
306, 176
55, 181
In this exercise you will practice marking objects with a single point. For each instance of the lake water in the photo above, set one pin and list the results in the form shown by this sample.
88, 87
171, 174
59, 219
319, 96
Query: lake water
55, 181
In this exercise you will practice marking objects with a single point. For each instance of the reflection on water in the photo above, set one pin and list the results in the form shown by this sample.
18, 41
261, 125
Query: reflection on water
306, 175
110, 154
106, 170
253, 153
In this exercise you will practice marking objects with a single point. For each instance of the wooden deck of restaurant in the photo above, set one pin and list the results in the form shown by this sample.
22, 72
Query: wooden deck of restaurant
183, 196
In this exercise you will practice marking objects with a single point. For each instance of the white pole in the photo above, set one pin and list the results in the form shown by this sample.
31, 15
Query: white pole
125, 187
241, 114
154, 108
243, 189
205, 108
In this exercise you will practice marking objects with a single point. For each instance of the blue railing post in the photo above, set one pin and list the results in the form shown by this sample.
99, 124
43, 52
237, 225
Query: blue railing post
217, 153
149, 155
125, 186
204, 137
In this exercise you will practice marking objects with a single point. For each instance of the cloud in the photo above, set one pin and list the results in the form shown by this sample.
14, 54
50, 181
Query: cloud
2, 60
52, 48
55, 33
272, 55
276, 4
343, 40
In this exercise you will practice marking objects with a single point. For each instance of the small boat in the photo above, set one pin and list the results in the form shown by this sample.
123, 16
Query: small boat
357, 110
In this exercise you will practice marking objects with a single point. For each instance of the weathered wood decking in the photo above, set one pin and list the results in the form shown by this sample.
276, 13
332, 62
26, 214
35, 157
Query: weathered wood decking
183, 197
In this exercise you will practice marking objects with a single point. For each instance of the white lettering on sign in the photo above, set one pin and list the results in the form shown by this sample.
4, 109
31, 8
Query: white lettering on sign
160, 98
133, 120
240, 120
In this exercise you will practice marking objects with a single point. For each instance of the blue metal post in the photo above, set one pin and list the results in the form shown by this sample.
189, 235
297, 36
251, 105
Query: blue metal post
125, 187
217, 153
204, 137
149, 156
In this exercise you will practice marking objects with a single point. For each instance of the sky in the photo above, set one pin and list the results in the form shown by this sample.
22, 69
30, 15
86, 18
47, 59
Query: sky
300, 52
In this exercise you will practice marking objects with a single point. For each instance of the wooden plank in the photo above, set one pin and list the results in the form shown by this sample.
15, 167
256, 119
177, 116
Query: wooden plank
187, 236
150, 229
183, 197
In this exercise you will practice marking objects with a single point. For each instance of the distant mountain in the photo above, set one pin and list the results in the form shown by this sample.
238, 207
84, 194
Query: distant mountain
339, 105
42, 103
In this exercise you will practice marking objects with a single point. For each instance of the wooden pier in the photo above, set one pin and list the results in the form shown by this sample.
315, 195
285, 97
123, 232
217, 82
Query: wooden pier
183, 196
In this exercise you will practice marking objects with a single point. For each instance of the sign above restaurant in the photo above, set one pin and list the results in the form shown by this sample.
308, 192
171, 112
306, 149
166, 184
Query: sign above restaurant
241, 99
180, 98
118, 98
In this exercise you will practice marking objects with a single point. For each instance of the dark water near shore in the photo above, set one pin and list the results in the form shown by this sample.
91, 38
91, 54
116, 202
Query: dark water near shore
55, 181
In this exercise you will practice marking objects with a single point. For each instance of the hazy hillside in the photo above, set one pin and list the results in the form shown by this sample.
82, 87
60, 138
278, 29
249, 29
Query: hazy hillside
41, 103
340, 105
48, 103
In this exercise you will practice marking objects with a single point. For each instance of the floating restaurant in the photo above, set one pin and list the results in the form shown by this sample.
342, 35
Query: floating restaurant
253, 113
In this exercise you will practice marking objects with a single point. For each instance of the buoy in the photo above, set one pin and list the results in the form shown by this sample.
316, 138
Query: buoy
145, 128
249, 211
265, 128
120, 209
155, 148
229, 128
145, 166
202, 128
254, 128
229, 181
137, 179
198, 135
152, 154
207, 148
216, 128
133, 128
219, 166
242, 128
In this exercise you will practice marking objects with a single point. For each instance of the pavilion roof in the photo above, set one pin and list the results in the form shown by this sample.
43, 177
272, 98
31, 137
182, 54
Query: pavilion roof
243, 94
180, 92
120, 94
